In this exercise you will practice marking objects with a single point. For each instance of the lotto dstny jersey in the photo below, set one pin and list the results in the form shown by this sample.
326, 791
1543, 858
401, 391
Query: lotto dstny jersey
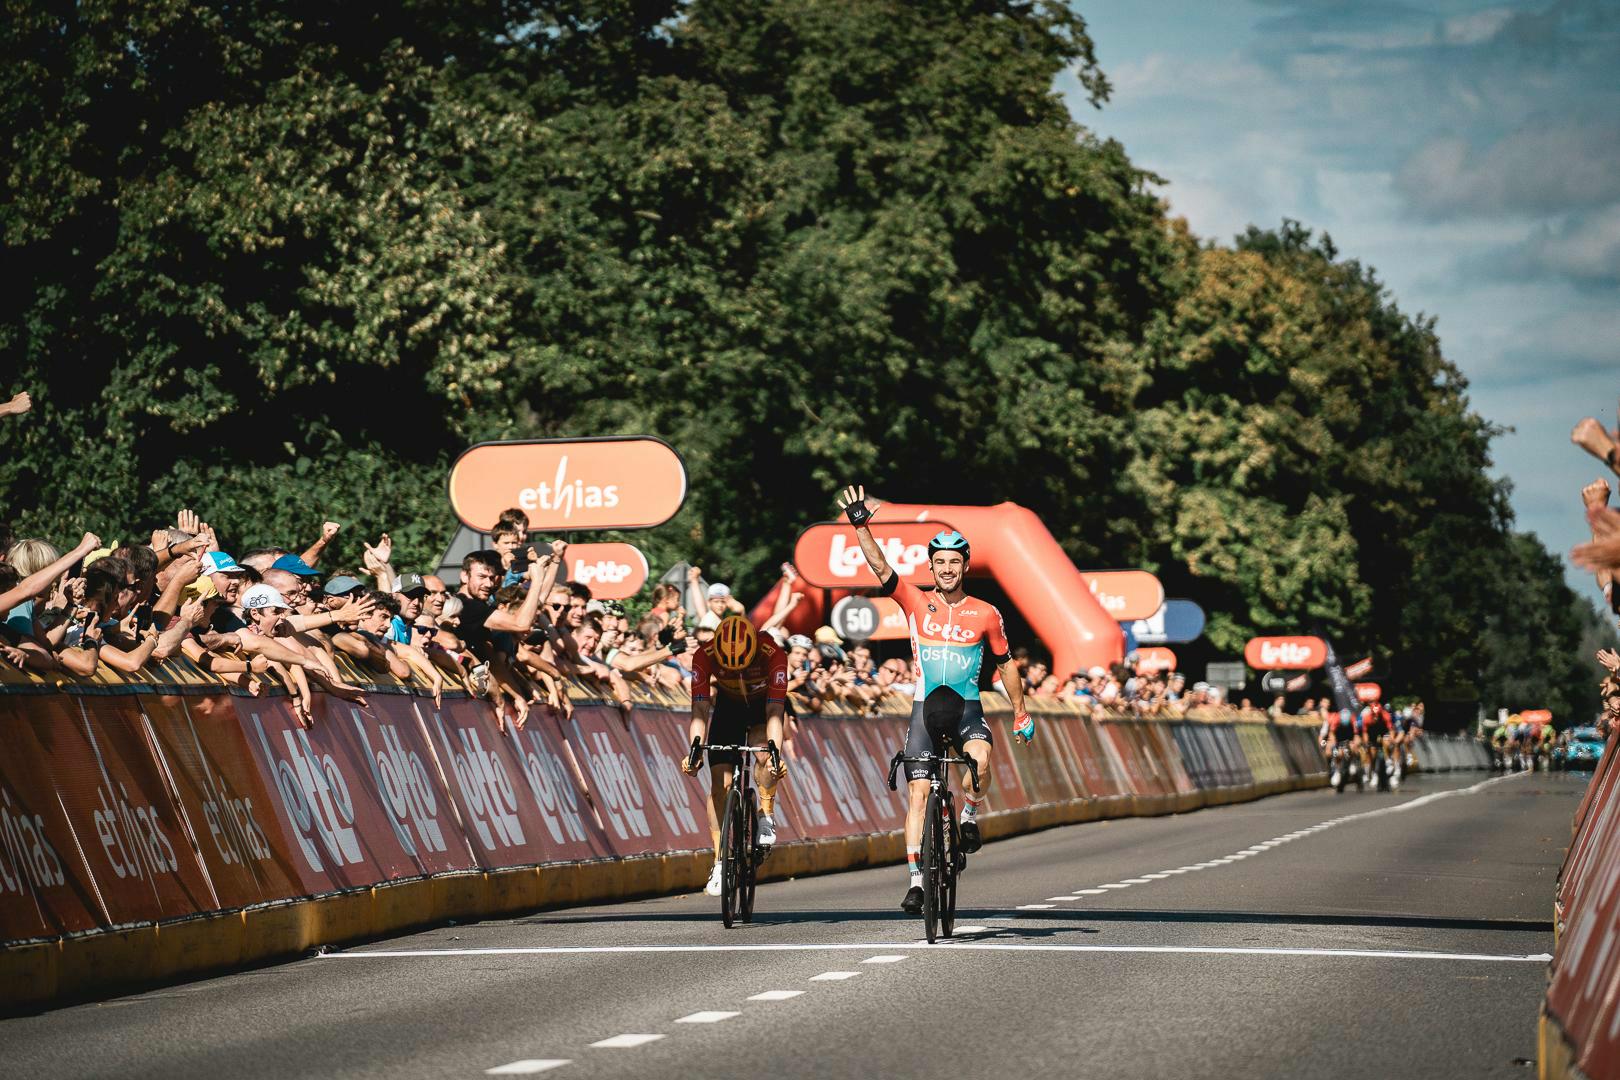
948, 640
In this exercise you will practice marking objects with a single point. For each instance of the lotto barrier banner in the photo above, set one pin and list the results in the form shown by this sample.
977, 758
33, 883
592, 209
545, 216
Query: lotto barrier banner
1581, 1016
124, 807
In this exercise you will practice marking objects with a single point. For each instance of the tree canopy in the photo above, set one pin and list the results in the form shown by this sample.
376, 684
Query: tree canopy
279, 261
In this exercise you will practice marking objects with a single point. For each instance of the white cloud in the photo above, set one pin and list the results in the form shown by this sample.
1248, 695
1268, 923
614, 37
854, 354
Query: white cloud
1540, 167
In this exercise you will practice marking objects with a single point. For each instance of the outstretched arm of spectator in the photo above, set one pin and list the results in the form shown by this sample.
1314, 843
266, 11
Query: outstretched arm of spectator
19, 404
347, 615
130, 661
1603, 553
785, 603
312, 554
40, 580
542, 574
376, 562
632, 663
694, 592
1590, 436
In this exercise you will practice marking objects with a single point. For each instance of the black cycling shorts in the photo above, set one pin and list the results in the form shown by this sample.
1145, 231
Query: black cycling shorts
730, 721
1343, 733
942, 721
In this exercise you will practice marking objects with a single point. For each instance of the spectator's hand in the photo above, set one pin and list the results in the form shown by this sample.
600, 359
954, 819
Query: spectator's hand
209, 538
349, 614
693, 573
1590, 436
329, 529
19, 404
187, 568
188, 521
88, 544
794, 600
559, 548
194, 612
1609, 659
74, 590
1595, 494
377, 557
15, 657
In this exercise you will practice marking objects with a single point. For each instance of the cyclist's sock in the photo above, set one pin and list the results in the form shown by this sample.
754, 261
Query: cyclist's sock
970, 807
914, 865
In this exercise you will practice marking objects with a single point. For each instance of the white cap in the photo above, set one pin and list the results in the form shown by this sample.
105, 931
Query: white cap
718, 590
262, 596
1098, 672
799, 641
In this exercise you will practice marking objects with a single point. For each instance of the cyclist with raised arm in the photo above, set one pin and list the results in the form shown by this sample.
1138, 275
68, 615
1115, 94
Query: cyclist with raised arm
950, 631
739, 693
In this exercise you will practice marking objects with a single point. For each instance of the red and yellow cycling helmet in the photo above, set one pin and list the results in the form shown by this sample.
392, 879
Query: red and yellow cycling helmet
735, 642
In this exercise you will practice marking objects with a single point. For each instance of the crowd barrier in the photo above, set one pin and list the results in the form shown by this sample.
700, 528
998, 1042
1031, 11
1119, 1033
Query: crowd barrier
1580, 1019
165, 824
1445, 753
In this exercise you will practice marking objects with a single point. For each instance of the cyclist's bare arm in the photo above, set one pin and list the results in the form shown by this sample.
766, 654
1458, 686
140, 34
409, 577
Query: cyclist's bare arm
1013, 680
875, 559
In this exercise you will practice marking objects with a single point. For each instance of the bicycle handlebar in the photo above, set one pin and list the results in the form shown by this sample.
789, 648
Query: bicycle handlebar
931, 759
698, 746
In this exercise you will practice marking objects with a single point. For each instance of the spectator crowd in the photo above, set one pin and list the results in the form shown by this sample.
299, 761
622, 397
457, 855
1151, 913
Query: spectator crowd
1602, 554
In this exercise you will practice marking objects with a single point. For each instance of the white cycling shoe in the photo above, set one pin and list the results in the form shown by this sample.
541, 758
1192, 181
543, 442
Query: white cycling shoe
713, 887
766, 831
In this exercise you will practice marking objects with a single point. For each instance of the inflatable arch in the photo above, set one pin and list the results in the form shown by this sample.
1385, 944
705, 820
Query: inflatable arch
1013, 546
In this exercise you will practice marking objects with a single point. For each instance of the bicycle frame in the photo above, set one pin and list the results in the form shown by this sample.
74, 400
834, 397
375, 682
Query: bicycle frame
740, 857
942, 856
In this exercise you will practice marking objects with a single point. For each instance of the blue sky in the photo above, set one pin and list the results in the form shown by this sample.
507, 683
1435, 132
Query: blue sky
1470, 152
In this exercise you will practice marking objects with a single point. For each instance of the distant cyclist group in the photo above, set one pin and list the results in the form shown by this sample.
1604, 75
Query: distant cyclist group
1369, 745
1520, 745
740, 702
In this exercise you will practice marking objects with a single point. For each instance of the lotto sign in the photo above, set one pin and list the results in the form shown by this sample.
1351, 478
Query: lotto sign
1368, 692
1274, 653
610, 571
1536, 716
621, 482
829, 557
1155, 659
1127, 595
1360, 669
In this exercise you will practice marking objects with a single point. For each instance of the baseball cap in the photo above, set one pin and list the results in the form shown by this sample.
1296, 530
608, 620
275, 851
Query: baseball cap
342, 585
262, 596
409, 583
831, 652
595, 607
292, 564
718, 590
799, 641
826, 635
611, 607
217, 562
99, 553
1098, 673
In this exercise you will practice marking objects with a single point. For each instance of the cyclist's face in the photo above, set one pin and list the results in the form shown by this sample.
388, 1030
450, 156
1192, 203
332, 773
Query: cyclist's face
948, 568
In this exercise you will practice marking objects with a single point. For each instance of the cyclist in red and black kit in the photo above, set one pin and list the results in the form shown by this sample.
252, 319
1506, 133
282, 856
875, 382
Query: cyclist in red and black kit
739, 694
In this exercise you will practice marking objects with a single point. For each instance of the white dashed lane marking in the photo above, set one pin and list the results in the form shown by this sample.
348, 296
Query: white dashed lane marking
708, 1016
776, 995
886, 958
834, 976
528, 1065
625, 1042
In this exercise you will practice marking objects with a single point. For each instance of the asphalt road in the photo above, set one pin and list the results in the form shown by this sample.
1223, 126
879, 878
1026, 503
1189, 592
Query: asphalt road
1386, 936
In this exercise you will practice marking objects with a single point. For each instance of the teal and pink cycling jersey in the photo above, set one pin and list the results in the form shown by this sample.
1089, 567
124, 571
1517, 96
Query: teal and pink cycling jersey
948, 640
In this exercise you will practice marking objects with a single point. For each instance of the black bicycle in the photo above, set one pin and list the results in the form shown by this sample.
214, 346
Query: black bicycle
740, 856
942, 856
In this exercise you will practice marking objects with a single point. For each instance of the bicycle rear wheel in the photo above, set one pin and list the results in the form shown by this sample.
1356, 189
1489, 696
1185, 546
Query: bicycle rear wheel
730, 870
750, 862
933, 854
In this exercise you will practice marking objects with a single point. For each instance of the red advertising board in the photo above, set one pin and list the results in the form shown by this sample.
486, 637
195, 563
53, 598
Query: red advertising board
1155, 658
829, 557
1283, 653
1368, 692
610, 571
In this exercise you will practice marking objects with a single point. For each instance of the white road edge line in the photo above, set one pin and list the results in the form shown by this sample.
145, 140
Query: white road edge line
943, 946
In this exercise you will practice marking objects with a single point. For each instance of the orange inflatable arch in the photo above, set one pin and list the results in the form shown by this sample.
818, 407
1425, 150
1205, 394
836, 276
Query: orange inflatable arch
1013, 546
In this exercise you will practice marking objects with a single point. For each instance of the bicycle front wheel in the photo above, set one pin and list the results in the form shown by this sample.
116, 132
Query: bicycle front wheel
933, 854
730, 868
948, 864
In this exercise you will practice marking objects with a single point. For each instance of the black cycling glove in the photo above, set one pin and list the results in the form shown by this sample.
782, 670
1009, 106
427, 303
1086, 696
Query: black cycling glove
858, 513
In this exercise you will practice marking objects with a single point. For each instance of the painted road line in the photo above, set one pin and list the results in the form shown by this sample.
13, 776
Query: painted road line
886, 958
971, 929
776, 995
834, 976
1136, 881
708, 1016
1064, 899
920, 948
1036, 907
625, 1042
1113, 885
1091, 892
528, 1065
